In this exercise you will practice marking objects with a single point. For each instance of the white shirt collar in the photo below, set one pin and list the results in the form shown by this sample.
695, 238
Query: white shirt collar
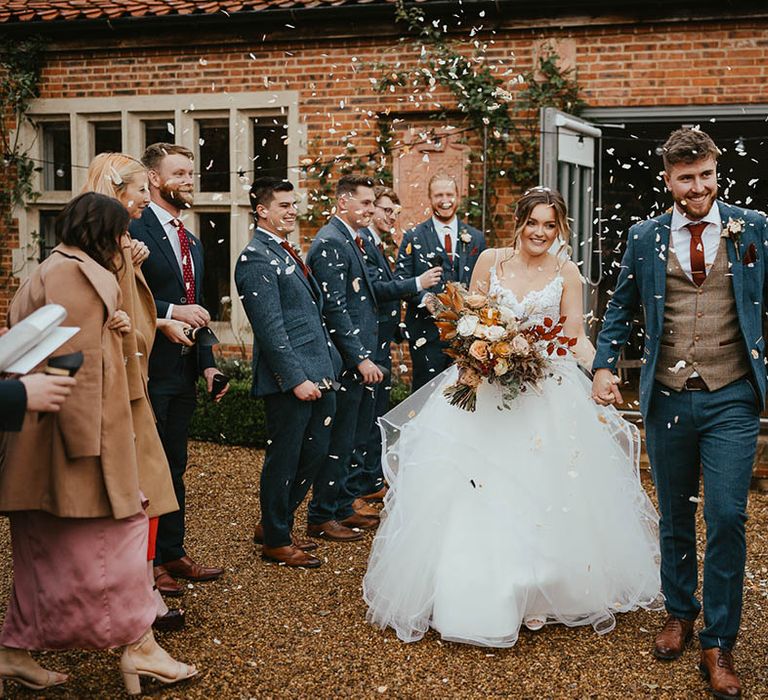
163, 215
440, 226
348, 227
273, 236
374, 235
680, 220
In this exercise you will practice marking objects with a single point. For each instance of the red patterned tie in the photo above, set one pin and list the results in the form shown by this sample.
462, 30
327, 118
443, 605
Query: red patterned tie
448, 245
302, 265
186, 261
698, 264
360, 243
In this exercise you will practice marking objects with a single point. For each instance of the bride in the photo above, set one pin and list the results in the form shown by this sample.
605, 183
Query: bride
534, 515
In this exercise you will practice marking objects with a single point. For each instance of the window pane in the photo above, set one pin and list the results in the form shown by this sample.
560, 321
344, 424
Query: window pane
270, 151
159, 131
107, 137
214, 234
214, 154
47, 232
57, 154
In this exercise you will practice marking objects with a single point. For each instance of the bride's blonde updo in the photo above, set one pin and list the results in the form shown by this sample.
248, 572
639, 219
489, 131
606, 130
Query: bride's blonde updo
528, 202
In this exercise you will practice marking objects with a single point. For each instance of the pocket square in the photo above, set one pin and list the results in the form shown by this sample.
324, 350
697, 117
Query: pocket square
750, 257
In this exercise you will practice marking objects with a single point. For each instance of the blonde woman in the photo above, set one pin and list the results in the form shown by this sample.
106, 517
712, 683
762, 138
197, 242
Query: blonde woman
525, 516
125, 178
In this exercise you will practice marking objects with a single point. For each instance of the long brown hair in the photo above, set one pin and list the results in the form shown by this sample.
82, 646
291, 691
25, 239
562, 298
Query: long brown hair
94, 223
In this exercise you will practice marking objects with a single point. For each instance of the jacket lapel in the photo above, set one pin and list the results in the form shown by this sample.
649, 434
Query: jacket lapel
156, 230
101, 279
660, 251
735, 267
281, 253
355, 251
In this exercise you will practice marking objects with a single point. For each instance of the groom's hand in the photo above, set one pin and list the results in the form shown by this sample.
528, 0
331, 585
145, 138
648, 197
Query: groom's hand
605, 388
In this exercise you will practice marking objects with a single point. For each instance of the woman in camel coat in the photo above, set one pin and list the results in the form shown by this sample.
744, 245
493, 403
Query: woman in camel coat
70, 481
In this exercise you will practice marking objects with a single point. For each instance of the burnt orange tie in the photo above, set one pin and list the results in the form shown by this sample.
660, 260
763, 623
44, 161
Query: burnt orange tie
360, 244
448, 245
698, 263
302, 265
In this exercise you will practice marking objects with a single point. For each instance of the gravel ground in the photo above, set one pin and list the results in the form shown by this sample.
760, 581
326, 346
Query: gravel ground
264, 631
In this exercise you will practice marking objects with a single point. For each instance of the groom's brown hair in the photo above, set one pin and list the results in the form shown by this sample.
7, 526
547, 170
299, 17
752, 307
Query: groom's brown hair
687, 146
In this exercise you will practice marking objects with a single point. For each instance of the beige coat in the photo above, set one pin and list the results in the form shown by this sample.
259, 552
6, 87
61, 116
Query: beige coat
80, 462
154, 472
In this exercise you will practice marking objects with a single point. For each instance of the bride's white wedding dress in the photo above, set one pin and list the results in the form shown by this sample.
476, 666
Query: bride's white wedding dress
500, 518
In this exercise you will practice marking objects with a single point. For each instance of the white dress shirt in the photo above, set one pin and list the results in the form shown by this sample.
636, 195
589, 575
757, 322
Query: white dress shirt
273, 236
171, 233
681, 238
452, 228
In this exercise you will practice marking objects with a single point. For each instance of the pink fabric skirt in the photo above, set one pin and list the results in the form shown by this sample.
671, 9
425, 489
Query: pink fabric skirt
77, 583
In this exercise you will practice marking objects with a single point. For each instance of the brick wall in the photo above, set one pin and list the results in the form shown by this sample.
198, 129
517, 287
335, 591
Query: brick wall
666, 63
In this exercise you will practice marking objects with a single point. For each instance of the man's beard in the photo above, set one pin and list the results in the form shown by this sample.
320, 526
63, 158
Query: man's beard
683, 203
176, 197
444, 214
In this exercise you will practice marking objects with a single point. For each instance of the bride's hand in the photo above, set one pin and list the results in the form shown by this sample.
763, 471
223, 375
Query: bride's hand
605, 388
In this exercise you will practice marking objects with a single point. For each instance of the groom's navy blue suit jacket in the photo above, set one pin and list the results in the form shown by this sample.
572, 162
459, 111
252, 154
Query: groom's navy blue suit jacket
642, 283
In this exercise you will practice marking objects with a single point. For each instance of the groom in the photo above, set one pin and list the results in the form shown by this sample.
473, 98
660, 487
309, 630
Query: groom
699, 275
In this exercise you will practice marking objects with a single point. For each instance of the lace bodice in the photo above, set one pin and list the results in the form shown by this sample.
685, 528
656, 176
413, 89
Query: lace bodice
536, 304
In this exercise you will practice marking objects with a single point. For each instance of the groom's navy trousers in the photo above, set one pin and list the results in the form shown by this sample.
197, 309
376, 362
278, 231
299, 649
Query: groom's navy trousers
693, 434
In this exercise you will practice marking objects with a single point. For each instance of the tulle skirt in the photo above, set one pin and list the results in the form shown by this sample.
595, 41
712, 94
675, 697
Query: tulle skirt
502, 518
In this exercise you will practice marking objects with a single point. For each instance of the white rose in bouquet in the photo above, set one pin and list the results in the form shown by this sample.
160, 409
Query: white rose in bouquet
467, 325
492, 333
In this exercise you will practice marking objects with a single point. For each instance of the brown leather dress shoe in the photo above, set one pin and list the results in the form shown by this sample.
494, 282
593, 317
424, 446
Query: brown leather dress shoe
362, 508
303, 545
172, 621
362, 521
190, 570
716, 666
673, 638
166, 584
290, 556
333, 530
376, 495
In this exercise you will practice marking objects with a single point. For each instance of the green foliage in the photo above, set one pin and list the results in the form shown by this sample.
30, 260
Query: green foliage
509, 122
238, 419
20, 66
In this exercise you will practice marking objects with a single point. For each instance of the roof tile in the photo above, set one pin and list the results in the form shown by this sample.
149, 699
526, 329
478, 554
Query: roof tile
17, 11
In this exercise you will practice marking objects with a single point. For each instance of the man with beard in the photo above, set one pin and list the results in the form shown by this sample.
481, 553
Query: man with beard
440, 241
174, 273
699, 275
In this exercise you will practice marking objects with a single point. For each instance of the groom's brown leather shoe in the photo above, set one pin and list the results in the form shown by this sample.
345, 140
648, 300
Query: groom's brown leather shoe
716, 666
673, 638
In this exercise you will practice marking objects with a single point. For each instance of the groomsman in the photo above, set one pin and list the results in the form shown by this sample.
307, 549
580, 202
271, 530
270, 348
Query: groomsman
368, 480
441, 241
699, 274
174, 273
351, 314
294, 366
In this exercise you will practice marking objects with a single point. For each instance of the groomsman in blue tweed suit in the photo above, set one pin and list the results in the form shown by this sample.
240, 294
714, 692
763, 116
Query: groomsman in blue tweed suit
294, 366
351, 313
368, 480
699, 275
440, 241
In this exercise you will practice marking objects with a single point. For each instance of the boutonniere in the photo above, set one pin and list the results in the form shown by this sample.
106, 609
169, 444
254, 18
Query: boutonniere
733, 230
465, 237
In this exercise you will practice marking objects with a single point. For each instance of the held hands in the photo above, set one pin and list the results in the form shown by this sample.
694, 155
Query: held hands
192, 314
431, 277
120, 322
307, 391
370, 373
47, 393
174, 331
605, 388
209, 373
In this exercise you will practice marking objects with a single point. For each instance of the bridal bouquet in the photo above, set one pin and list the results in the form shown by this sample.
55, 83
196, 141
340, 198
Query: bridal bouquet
488, 342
